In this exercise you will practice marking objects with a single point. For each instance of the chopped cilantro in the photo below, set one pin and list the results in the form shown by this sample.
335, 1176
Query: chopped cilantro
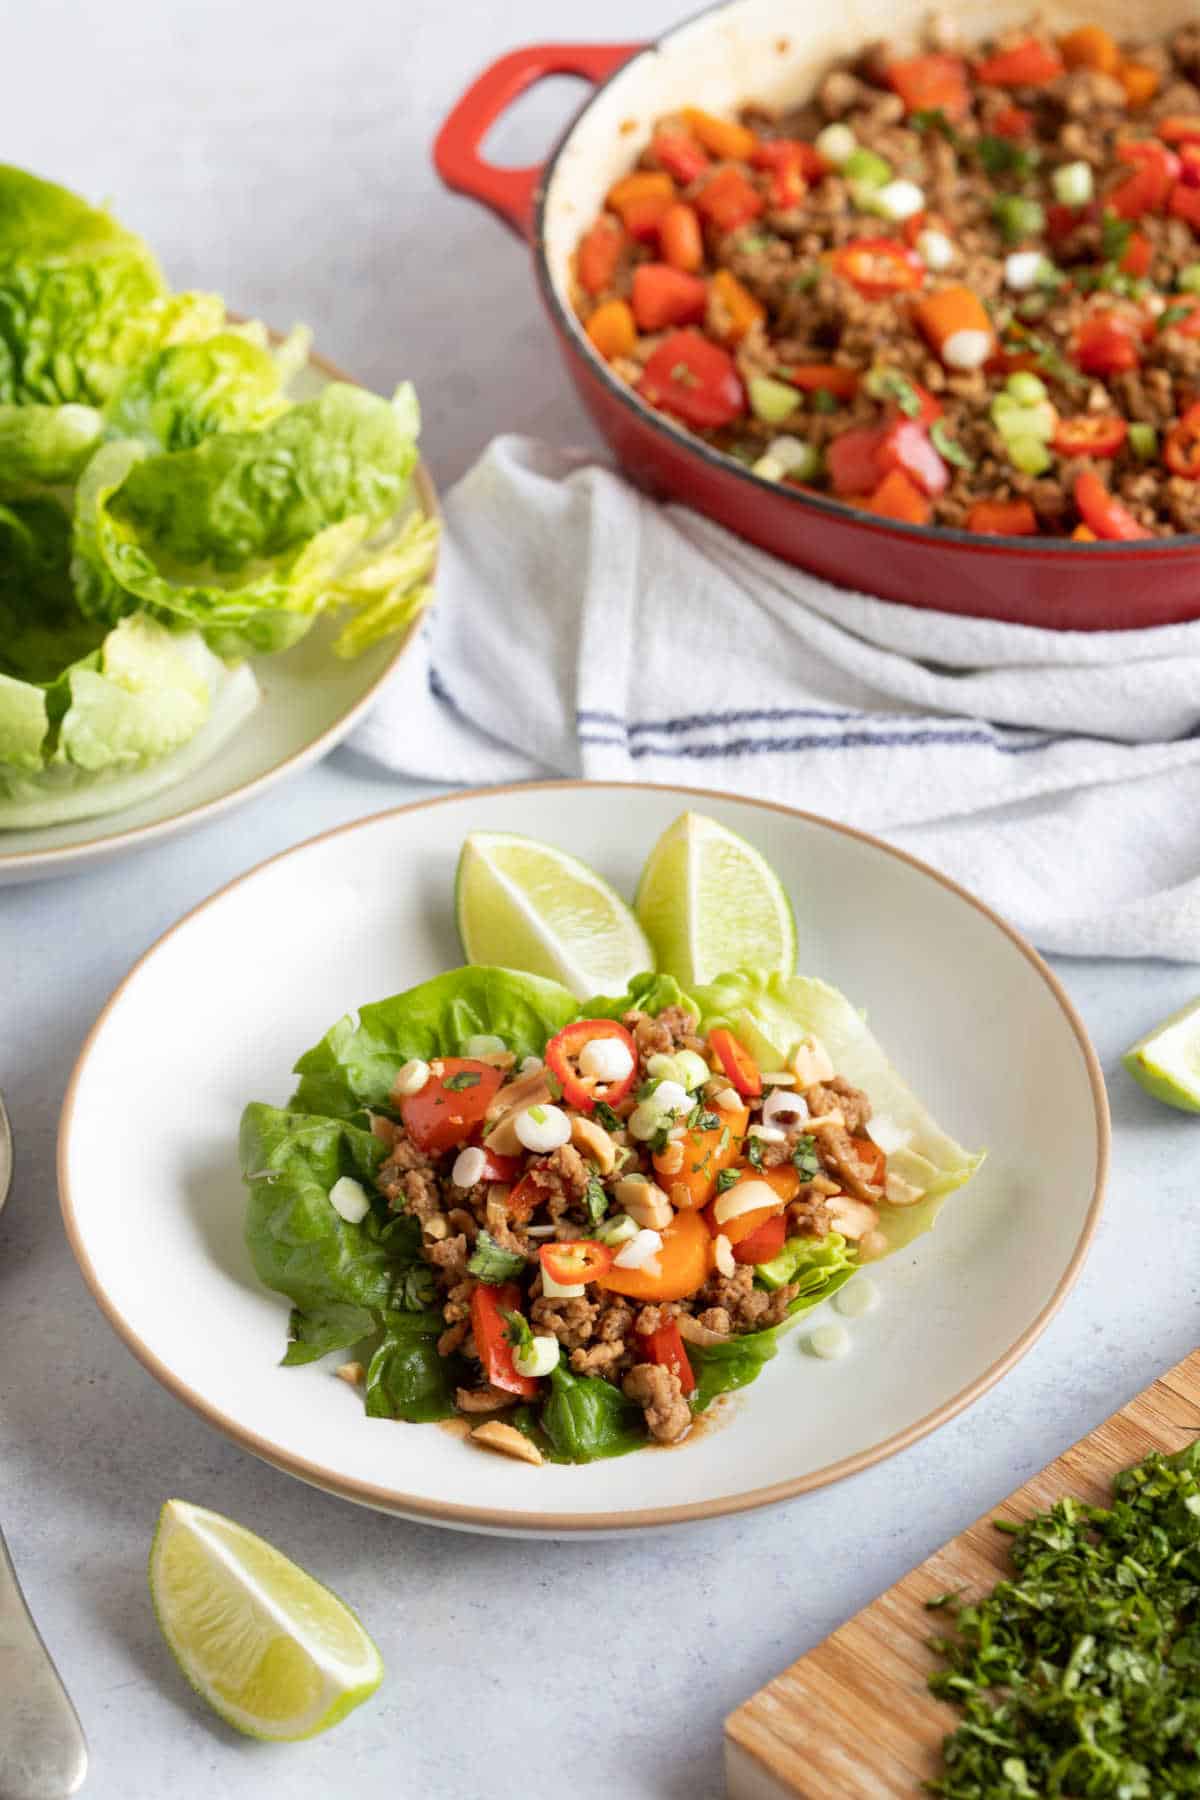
932, 118
1115, 234
728, 1178
604, 1115
661, 1137
805, 1159
647, 1088
805, 281
824, 402
596, 1200
945, 444
1001, 156
1173, 315
754, 1152
493, 1264
1078, 1673
517, 1333
465, 1078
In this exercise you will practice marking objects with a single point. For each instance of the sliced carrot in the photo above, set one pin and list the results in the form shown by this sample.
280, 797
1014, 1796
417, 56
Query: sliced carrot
734, 308
643, 217
665, 296
599, 254
728, 200
1003, 518
1090, 47
830, 378
897, 497
721, 137
680, 1267
612, 330
705, 1154
943, 315
680, 238
643, 184
1140, 83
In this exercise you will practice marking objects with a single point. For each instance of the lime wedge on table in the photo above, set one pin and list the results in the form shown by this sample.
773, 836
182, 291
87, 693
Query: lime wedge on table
269, 1648
710, 902
525, 905
1167, 1060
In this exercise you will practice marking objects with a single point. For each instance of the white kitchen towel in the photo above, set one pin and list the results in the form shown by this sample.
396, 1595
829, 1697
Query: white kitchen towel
580, 629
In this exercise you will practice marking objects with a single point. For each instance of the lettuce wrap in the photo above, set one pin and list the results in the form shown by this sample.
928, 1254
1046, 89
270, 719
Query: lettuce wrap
365, 1285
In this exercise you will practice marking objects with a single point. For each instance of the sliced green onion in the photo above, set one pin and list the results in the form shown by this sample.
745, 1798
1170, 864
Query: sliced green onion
836, 145
770, 400
1189, 279
947, 447
1026, 387
1073, 183
1143, 441
1018, 217
865, 167
1029, 454
890, 384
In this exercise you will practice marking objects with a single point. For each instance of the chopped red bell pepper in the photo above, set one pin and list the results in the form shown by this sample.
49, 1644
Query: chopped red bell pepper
489, 1328
694, 380
663, 296
665, 1347
1102, 512
1062, 220
898, 498
1155, 170
1091, 434
1030, 63
728, 200
1139, 254
737, 1062
562, 1059
788, 185
1185, 204
451, 1104
1189, 167
500, 1168
579, 1260
878, 267
933, 83
859, 459
1182, 450
782, 153
680, 155
1003, 518
1106, 344
643, 217
764, 1243
1012, 122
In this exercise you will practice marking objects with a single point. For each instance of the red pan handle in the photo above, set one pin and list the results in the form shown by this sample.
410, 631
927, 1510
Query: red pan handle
510, 192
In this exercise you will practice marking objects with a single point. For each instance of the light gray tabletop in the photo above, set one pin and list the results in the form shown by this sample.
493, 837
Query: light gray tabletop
279, 153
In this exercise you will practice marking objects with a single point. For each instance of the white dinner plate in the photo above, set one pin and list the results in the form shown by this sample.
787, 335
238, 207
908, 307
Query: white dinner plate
310, 700
217, 1012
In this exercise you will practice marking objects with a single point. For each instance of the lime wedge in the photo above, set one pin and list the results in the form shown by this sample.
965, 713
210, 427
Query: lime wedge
1167, 1060
269, 1648
709, 902
525, 905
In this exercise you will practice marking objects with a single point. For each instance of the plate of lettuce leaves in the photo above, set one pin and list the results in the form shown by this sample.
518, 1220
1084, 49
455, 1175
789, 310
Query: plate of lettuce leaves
526, 1209
212, 547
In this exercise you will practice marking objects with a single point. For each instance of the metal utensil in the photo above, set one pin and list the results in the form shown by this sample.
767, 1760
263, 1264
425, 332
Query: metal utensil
43, 1752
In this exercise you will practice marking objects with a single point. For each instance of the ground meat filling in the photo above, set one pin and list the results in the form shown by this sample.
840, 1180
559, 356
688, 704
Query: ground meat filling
959, 286
491, 1224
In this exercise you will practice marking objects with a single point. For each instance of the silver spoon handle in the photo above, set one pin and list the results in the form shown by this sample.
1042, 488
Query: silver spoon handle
43, 1752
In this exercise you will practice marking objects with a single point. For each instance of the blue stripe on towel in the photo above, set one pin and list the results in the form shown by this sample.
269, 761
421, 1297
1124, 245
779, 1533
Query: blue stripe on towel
846, 740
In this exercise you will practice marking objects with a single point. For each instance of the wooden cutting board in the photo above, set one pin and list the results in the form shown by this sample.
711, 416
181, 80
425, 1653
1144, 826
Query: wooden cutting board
854, 1720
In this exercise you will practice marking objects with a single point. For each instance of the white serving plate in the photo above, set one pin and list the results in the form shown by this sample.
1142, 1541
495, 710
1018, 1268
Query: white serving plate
310, 700
216, 1013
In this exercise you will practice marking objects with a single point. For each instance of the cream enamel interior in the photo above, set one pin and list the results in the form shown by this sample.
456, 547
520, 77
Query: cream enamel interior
772, 52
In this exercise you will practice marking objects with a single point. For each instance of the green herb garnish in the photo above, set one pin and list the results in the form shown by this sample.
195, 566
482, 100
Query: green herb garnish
952, 452
823, 401
932, 118
754, 1152
728, 1178
596, 1200
517, 1332
1001, 156
492, 1264
805, 1159
1115, 234
604, 1115
890, 384
805, 281
465, 1078
1017, 217
1173, 315
1080, 1674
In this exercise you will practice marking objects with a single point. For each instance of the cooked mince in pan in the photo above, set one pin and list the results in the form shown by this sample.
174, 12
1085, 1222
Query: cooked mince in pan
956, 288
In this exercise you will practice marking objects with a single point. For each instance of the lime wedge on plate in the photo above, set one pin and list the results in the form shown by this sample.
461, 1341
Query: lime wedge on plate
269, 1648
1167, 1060
525, 905
710, 902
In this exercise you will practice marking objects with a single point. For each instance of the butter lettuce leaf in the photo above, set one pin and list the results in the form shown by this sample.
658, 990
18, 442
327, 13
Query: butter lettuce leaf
246, 535
356, 1062
81, 298
182, 393
45, 446
772, 1013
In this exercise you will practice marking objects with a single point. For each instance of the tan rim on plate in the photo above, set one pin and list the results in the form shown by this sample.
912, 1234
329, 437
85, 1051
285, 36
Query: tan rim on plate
563, 1524
210, 809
